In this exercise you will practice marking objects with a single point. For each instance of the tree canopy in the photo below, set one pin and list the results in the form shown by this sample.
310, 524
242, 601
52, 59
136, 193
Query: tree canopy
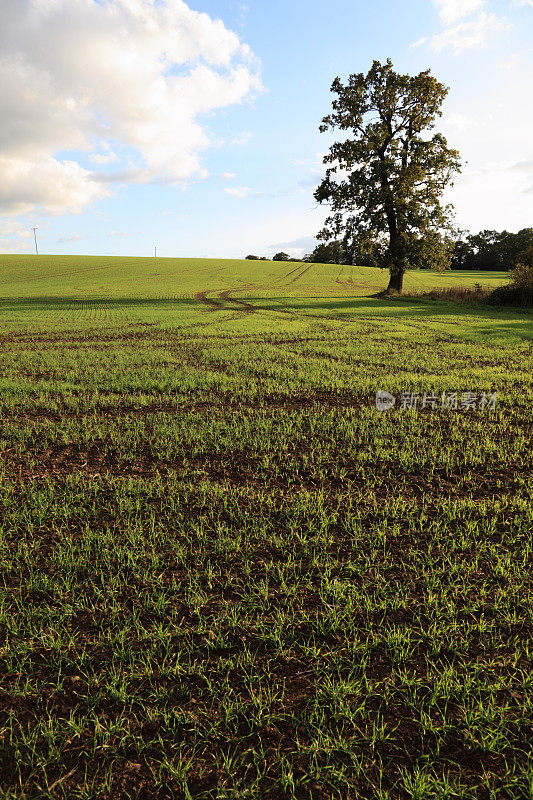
491, 250
384, 182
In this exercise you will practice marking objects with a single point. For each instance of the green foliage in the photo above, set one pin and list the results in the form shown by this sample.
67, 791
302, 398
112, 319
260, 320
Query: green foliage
492, 250
525, 258
522, 275
281, 257
385, 181
462, 254
346, 251
432, 251
328, 253
519, 292
252, 258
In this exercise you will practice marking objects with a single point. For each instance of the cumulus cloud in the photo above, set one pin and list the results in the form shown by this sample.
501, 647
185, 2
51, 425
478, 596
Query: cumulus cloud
469, 34
523, 166
14, 237
467, 25
459, 122
241, 139
105, 157
296, 247
239, 191
452, 10
57, 186
492, 131
94, 76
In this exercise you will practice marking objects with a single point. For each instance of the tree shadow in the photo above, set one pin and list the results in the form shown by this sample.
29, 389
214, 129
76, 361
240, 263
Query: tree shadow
488, 320
52, 303
498, 320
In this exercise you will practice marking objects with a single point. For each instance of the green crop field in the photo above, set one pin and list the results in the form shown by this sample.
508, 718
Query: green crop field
224, 573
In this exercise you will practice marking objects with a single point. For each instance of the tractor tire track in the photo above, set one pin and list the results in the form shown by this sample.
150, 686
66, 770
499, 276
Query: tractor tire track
297, 278
292, 271
211, 303
247, 308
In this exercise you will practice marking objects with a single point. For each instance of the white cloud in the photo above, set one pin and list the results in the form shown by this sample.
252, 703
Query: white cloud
239, 191
452, 10
241, 139
227, 176
75, 237
295, 248
107, 157
77, 74
419, 42
467, 25
523, 166
496, 149
493, 196
469, 34
458, 122
57, 186
14, 237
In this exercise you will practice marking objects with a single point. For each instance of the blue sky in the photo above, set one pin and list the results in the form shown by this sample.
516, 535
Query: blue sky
136, 123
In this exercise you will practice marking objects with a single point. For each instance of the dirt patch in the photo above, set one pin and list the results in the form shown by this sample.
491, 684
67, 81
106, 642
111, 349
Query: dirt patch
248, 308
248, 468
60, 460
210, 302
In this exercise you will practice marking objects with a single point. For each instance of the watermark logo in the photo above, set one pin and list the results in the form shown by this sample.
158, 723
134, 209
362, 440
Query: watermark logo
447, 401
384, 400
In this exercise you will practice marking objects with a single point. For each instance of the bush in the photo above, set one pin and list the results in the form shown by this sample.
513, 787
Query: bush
252, 258
519, 292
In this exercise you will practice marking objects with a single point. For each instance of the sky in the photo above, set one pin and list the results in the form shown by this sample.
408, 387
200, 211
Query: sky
194, 127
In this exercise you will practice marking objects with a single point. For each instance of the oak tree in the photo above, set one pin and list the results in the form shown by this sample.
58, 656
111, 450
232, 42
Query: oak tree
386, 180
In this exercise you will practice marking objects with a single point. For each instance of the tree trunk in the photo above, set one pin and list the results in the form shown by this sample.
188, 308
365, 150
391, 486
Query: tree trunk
398, 263
396, 280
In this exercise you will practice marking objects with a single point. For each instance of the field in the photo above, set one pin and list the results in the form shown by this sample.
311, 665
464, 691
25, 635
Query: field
225, 573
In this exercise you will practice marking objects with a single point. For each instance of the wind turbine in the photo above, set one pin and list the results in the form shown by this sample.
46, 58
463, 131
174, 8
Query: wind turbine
35, 237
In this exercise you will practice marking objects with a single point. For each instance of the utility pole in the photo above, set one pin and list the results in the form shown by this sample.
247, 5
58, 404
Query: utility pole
35, 237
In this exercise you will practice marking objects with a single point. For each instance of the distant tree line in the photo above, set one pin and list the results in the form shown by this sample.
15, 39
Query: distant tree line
491, 250
487, 250
431, 251
277, 257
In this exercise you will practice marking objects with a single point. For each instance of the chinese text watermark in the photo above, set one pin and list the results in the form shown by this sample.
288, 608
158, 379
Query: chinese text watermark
446, 401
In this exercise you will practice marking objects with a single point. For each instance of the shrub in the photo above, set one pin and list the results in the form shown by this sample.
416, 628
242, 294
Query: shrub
519, 292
